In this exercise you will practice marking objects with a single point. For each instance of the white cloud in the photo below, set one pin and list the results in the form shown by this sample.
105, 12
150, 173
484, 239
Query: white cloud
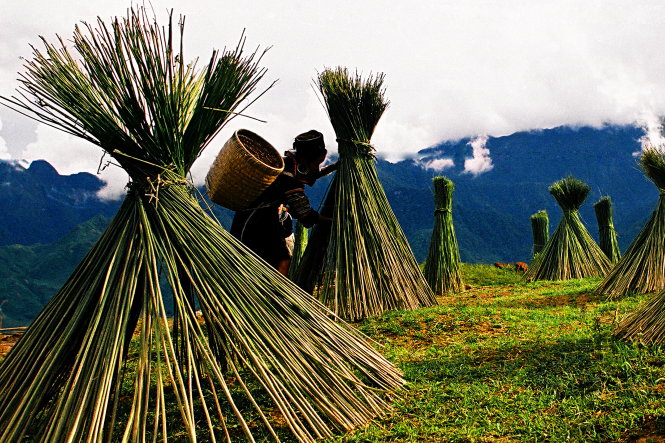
453, 69
653, 131
481, 160
69, 155
4, 151
439, 164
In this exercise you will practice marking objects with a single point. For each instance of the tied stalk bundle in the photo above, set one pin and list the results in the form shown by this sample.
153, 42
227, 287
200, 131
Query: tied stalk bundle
299, 244
641, 270
442, 268
265, 357
360, 264
646, 325
606, 232
570, 252
540, 227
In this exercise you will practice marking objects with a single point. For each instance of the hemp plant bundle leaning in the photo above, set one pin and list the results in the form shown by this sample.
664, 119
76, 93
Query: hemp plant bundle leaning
299, 244
264, 345
570, 252
606, 232
361, 264
642, 268
540, 227
646, 325
442, 267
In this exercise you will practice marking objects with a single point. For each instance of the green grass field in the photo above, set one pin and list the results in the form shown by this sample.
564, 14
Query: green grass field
514, 361
510, 361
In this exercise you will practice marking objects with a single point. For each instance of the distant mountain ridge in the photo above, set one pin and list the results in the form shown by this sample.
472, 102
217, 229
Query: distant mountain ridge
490, 211
498, 203
38, 205
31, 274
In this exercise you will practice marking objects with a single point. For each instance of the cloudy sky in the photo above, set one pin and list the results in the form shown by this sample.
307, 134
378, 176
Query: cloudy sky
453, 68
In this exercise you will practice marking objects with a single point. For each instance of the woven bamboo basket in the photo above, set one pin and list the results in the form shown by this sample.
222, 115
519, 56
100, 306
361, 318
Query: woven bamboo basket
245, 166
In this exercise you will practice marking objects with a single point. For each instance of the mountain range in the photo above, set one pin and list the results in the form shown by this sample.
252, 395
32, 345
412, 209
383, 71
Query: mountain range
48, 221
38, 205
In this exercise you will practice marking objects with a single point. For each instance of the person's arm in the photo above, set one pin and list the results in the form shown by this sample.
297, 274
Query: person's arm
328, 169
300, 209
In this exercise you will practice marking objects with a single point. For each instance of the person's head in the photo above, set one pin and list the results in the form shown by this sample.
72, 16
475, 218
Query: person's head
310, 150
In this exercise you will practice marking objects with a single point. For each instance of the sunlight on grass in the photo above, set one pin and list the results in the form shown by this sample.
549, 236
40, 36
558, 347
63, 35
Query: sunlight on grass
509, 361
514, 361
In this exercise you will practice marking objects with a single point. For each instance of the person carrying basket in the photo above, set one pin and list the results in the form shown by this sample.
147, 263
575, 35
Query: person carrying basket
265, 226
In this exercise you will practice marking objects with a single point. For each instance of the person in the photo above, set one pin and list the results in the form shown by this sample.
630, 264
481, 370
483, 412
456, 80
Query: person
266, 226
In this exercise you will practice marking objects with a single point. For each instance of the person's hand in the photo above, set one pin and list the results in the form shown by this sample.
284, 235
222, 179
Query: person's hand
329, 169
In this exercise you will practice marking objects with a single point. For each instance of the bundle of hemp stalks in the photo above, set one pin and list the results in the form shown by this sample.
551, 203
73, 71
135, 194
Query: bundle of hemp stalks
442, 267
361, 264
646, 325
641, 270
540, 228
264, 344
607, 235
570, 252
299, 244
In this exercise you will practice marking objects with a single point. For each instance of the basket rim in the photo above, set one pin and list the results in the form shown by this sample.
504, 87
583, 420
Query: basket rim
236, 134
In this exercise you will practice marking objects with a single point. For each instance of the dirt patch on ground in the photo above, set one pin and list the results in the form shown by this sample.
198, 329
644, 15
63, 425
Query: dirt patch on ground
476, 295
651, 431
575, 300
7, 341
442, 329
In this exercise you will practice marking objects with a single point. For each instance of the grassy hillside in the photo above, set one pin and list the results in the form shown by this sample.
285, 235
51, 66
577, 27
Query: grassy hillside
31, 275
511, 361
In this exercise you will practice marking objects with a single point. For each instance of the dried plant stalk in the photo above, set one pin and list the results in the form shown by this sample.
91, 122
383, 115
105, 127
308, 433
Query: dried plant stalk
607, 235
361, 264
570, 252
642, 268
264, 344
540, 227
442, 268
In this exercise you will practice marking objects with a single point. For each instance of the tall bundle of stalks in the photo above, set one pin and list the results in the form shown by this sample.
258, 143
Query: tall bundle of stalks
606, 232
361, 264
646, 325
642, 267
570, 252
540, 227
300, 243
263, 345
442, 268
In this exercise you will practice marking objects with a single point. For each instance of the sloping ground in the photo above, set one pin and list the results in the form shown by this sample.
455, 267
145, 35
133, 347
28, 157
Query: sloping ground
8, 337
519, 362
509, 361
31, 275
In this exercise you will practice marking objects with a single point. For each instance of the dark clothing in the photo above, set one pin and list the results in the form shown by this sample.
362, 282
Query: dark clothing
265, 225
